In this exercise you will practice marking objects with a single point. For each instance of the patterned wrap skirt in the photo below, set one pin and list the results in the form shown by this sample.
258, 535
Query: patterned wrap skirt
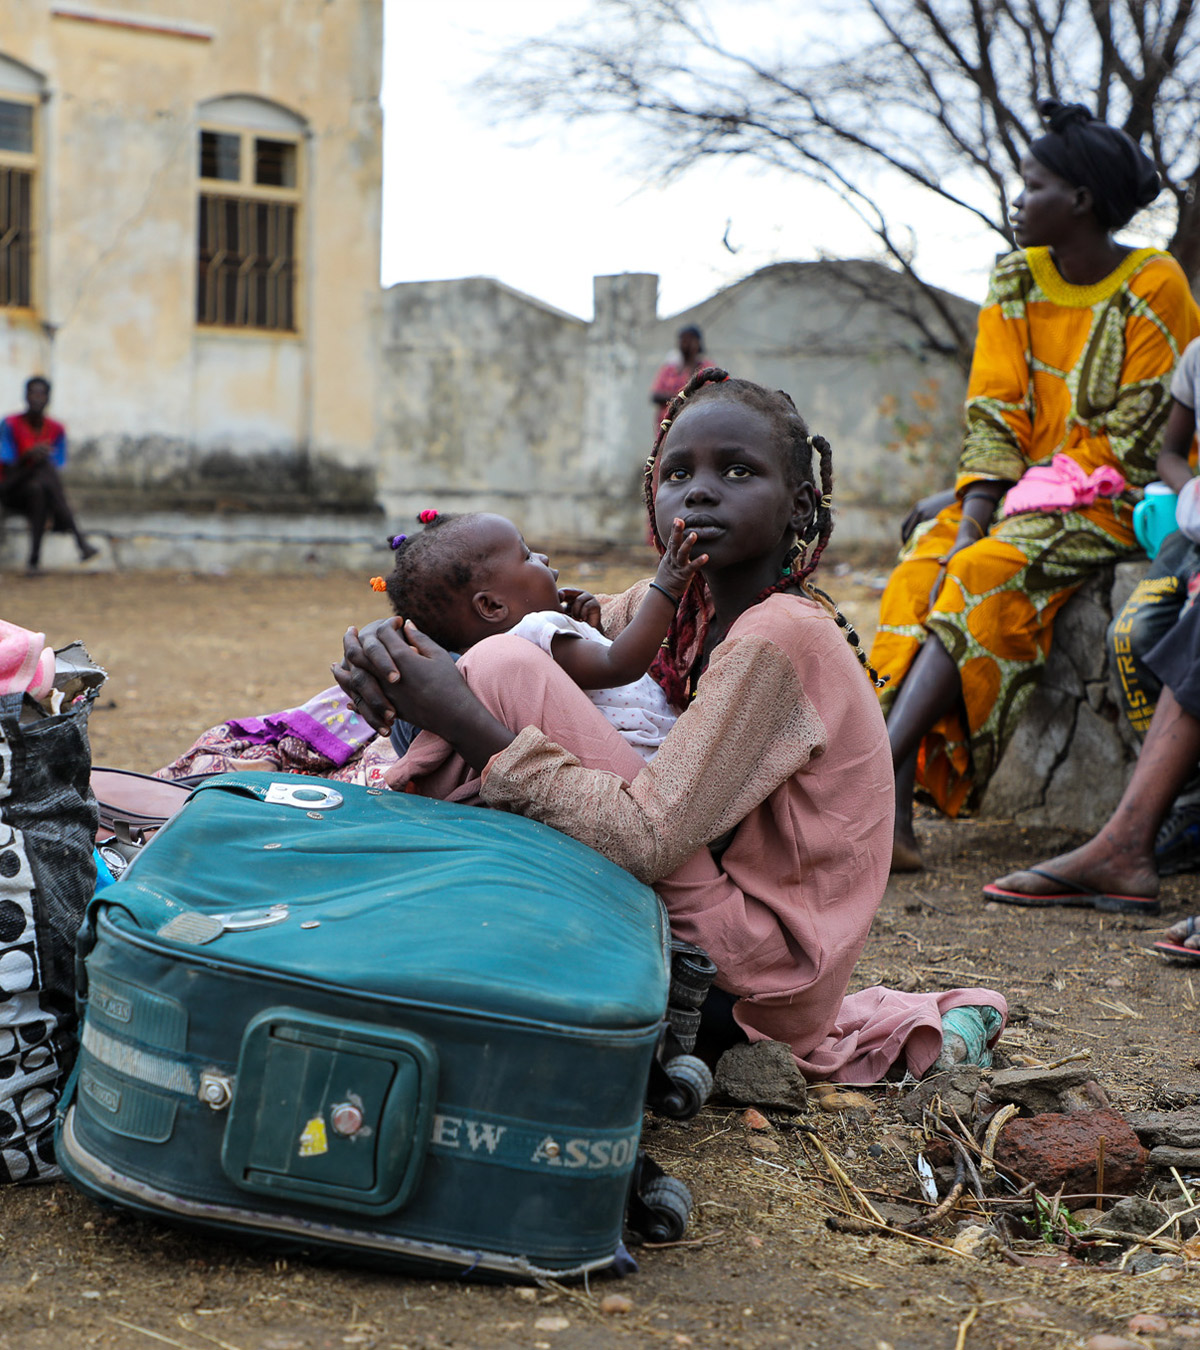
992, 607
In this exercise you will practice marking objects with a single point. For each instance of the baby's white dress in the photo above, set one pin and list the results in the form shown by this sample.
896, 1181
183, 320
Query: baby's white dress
639, 711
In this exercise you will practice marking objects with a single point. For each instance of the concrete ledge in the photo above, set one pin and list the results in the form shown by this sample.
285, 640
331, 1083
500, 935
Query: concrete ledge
210, 543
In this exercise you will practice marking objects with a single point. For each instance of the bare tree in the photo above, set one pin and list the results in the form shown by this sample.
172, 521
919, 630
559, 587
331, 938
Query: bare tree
940, 94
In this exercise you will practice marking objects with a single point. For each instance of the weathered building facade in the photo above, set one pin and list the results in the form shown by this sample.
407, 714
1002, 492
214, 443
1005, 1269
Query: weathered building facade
189, 244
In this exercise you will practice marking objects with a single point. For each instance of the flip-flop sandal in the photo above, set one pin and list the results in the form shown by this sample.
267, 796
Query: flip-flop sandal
1176, 949
1074, 895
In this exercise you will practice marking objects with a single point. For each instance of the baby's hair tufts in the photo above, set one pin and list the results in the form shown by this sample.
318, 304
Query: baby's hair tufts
428, 516
378, 584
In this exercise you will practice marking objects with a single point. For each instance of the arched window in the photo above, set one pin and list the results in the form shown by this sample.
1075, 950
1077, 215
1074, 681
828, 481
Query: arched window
251, 169
20, 96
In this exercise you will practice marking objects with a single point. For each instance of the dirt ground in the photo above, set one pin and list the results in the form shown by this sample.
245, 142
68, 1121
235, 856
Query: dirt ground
759, 1267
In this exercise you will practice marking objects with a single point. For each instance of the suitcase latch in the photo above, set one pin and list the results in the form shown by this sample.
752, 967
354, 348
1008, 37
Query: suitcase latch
305, 796
216, 1089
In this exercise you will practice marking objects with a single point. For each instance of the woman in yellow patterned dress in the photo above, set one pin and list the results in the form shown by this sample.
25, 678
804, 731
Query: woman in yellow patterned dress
1077, 340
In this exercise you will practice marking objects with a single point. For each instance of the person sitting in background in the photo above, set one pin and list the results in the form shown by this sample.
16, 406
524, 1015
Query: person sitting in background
1068, 398
673, 375
1156, 604
33, 448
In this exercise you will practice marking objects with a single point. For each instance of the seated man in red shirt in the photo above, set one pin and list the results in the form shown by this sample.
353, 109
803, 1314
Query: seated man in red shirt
33, 447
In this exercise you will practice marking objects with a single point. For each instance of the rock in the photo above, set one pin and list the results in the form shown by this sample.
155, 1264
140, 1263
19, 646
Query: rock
526, 1295
616, 1305
851, 1104
552, 1324
1179, 1129
762, 1073
755, 1120
1070, 756
1061, 1150
759, 1144
1187, 1331
1144, 1262
1184, 1159
1026, 1312
1142, 1324
1134, 1214
1042, 1090
978, 1241
956, 1088
1103, 1342
1090, 1216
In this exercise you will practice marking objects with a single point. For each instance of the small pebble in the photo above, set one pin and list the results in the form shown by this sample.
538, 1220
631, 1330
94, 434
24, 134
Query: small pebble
847, 1103
1104, 1342
1188, 1331
614, 1305
765, 1146
526, 1295
1027, 1312
876, 1150
1147, 1322
991, 907
755, 1120
1114, 982
552, 1324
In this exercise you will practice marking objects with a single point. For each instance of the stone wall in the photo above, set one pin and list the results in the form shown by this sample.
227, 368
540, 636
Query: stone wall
1073, 752
493, 400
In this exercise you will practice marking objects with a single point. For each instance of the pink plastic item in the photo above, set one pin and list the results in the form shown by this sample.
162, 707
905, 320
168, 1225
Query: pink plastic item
26, 663
1062, 485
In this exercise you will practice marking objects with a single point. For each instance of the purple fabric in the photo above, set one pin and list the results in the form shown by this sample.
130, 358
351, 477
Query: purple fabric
326, 722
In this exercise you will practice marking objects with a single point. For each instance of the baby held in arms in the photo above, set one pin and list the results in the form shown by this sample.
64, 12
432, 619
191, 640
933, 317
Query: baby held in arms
469, 577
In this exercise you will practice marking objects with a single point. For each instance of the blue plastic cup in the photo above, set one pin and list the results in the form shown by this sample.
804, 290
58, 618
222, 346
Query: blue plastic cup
1154, 517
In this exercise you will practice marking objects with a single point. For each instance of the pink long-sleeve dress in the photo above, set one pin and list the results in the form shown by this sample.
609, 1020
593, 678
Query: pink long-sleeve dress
764, 821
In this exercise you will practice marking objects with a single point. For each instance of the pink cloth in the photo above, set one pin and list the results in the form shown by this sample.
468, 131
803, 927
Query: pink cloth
26, 663
1062, 485
787, 910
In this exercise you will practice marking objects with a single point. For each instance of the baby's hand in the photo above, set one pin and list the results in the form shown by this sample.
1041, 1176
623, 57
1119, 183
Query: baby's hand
678, 567
581, 605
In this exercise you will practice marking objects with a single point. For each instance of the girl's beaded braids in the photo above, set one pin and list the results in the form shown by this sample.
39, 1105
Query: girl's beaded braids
685, 641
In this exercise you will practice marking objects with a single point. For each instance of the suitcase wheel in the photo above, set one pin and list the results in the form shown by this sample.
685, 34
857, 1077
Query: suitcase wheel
669, 1205
692, 974
691, 1084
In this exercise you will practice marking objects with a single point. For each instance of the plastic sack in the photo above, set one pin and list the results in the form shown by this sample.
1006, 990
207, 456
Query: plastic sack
48, 822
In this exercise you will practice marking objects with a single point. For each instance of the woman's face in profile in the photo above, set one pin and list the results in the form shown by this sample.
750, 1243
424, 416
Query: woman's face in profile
1047, 209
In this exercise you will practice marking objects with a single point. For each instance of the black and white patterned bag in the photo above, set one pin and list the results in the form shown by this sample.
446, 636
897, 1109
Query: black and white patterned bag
48, 822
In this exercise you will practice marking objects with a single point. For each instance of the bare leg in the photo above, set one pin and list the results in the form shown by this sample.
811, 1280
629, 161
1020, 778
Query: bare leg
1120, 858
932, 688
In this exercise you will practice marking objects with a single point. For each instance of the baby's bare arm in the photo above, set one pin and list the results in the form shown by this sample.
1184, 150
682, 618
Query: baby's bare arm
633, 650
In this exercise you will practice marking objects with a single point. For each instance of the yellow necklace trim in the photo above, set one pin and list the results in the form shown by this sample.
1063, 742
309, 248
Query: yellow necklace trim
1063, 292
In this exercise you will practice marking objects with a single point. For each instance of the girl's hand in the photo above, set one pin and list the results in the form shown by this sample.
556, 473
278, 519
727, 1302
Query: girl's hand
581, 605
678, 567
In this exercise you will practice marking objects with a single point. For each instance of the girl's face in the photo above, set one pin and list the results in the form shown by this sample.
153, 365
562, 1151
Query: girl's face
1048, 209
722, 471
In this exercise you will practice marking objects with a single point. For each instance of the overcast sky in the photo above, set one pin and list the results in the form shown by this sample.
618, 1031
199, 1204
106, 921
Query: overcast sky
544, 208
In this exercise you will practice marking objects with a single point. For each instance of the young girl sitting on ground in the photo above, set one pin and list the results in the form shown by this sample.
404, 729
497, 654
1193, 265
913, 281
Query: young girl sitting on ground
779, 762
465, 578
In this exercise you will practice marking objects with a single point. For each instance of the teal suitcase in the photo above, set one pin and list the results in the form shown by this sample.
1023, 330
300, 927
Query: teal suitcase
362, 1022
